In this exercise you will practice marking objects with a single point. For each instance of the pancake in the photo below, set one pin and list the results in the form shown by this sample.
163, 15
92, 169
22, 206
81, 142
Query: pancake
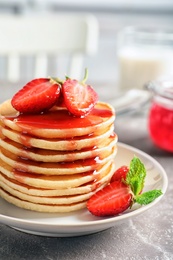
57, 181
41, 207
53, 161
66, 168
64, 125
38, 191
58, 144
42, 155
7, 109
60, 200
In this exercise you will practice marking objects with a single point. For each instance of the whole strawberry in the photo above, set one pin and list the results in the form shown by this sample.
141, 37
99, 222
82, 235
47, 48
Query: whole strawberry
121, 194
120, 173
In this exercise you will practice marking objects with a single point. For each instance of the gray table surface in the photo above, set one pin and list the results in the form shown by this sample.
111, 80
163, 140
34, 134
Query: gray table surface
146, 236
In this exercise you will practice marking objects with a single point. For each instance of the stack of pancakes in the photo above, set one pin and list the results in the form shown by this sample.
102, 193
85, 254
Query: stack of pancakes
54, 162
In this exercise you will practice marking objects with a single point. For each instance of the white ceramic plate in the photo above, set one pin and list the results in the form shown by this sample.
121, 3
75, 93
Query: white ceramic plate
82, 222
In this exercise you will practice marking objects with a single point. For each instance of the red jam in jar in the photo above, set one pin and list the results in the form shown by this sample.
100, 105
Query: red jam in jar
161, 114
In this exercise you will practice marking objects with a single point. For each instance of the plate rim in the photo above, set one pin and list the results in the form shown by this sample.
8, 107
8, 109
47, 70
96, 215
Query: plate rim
98, 221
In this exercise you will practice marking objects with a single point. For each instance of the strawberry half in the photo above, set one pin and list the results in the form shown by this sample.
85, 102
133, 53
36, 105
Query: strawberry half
36, 96
79, 98
120, 195
111, 200
120, 174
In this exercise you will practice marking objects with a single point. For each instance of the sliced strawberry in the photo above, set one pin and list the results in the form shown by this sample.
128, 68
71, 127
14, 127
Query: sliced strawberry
111, 200
79, 98
36, 96
119, 196
120, 173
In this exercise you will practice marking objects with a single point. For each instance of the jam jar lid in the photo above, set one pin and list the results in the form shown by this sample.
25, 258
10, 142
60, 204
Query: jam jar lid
162, 87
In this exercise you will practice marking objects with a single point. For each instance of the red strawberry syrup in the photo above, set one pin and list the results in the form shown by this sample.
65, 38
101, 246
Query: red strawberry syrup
61, 119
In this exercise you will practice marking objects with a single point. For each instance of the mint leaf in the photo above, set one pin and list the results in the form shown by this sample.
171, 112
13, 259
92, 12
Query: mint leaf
136, 175
147, 197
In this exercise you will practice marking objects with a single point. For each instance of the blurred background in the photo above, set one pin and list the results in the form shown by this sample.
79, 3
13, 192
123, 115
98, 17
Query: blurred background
112, 16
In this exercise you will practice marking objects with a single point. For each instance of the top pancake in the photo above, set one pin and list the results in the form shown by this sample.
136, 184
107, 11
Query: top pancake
57, 122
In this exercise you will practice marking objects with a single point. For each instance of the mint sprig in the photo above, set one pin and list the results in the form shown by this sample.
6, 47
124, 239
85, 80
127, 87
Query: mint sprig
136, 179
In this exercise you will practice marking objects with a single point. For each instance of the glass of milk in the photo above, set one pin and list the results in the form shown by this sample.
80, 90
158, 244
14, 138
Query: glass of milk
143, 55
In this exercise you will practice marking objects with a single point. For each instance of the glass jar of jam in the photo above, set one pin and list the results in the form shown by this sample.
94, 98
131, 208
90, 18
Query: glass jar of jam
161, 114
